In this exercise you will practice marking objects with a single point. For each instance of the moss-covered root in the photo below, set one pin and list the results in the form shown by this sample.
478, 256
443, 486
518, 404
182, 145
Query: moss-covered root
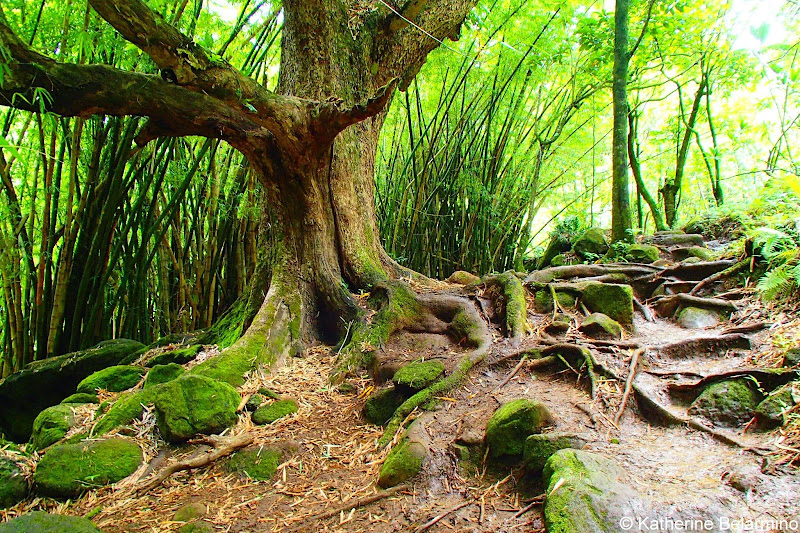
514, 304
467, 324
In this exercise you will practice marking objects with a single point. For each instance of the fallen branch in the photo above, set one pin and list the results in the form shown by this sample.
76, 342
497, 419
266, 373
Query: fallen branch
536, 501
629, 383
353, 504
735, 269
646, 313
512, 373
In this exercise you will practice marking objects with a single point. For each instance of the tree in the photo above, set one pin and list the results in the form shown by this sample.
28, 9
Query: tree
620, 196
311, 143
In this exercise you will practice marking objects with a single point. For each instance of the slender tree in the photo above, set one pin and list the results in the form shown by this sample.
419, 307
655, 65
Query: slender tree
620, 195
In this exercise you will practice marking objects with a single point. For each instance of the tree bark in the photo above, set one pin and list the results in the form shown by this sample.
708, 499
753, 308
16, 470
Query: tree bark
620, 195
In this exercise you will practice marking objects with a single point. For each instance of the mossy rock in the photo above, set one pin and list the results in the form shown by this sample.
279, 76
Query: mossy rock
267, 414
162, 374
254, 402
586, 493
51, 425
539, 448
42, 522
180, 356
791, 358
45, 383
642, 253
558, 244
512, 423
600, 326
700, 252
125, 410
691, 261
80, 397
256, 462
189, 512
591, 245
418, 375
113, 379
67, 470
402, 463
192, 405
563, 260
728, 403
543, 300
462, 277
771, 412
13, 486
698, 318
198, 526
381, 405
611, 299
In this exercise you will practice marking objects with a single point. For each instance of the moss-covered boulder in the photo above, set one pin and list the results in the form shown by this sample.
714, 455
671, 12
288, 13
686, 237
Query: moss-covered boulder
51, 425
586, 493
700, 252
42, 522
159, 374
600, 326
192, 405
539, 448
381, 405
771, 412
127, 408
611, 299
728, 403
591, 245
543, 300
113, 379
698, 318
674, 238
67, 470
256, 462
47, 382
462, 277
558, 325
791, 358
254, 402
13, 486
559, 243
80, 397
406, 458
180, 356
512, 423
642, 253
269, 413
418, 375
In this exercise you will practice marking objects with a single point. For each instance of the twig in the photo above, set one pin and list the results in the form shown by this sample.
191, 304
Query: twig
536, 501
513, 372
719, 275
427, 525
359, 502
629, 383
648, 315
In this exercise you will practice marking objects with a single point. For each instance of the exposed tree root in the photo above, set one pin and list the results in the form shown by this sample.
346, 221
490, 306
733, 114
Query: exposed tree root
631, 271
695, 271
512, 302
667, 306
730, 271
705, 345
767, 378
629, 383
746, 328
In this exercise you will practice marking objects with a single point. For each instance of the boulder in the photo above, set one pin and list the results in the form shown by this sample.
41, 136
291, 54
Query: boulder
42, 522
13, 486
642, 253
462, 277
51, 425
539, 448
727, 403
418, 375
591, 245
67, 470
791, 358
586, 493
192, 405
560, 324
700, 252
256, 462
559, 243
269, 413
381, 405
543, 300
180, 356
406, 458
80, 397
611, 299
698, 318
159, 374
113, 379
512, 423
674, 238
47, 382
127, 408
189, 512
771, 411
600, 326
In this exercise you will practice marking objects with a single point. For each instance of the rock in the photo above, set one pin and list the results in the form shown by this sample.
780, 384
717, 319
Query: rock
269, 393
267, 414
42, 522
565, 259
727, 403
256, 462
591, 245
381, 405
198, 526
674, 238
560, 324
642, 253
770, 413
13, 486
51, 425
462, 277
543, 300
189, 512
587, 493
126, 409
600, 326
47, 382
254, 402
611, 299
791, 358
691, 261
697, 318
418, 375
192, 405
559, 243
180, 356
67, 470
80, 397
539, 448
700, 252
514, 422
113, 379
159, 374
406, 458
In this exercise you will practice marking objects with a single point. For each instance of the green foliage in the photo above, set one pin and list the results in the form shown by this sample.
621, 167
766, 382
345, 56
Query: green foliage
780, 250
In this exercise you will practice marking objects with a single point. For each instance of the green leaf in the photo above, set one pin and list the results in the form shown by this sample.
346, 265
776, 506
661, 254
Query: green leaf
8, 147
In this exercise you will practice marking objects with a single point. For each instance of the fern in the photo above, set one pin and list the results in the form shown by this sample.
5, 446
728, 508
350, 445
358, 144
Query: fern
780, 249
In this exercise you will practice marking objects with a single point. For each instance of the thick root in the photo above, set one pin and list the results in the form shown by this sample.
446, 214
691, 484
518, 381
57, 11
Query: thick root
513, 303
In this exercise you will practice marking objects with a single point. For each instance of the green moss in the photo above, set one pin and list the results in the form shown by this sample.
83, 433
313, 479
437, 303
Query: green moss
418, 375
267, 414
180, 356
516, 308
189, 512
230, 327
402, 463
600, 326
543, 299
163, 373
613, 300
51, 425
791, 358
727, 403
512, 423
381, 405
258, 462
591, 245
81, 397
642, 253
701, 252
254, 402
125, 410
771, 412
192, 405
113, 379
463, 327
539, 448
13, 486
42, 522
69, 469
